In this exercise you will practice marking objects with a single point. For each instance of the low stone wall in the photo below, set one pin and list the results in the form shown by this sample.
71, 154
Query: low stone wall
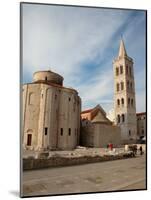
39, 163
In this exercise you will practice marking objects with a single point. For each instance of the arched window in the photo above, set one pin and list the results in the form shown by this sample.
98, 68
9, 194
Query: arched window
129, 132
123, 117
126, 69
131, 102
131, 85
128, 101
127, 84
69, 132
31, 98
61, 132
46, 78
118, 118
117, 71
46, 130
121, 69
29, 137
130, 71
122, 85
122, 101
117, 87
118, 102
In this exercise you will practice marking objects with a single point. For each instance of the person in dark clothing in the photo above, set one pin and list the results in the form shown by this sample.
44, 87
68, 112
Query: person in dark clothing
141, 150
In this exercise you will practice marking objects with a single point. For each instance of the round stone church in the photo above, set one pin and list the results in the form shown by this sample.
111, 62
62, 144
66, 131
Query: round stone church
51, 113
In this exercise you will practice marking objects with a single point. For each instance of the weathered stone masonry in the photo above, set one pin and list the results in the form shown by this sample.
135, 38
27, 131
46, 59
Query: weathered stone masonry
51, 113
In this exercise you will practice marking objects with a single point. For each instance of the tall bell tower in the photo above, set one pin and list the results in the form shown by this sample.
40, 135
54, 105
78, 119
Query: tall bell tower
124, 95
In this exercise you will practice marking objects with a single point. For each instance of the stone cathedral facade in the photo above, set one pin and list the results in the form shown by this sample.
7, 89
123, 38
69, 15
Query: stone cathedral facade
124, 95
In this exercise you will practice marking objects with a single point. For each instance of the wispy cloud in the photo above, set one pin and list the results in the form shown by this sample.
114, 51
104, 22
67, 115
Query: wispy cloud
80, 44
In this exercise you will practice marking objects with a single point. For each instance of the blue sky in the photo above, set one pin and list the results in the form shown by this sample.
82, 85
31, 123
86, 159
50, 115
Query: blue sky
80, 44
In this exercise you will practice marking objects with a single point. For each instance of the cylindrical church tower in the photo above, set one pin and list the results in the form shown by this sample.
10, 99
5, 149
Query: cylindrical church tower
51, 118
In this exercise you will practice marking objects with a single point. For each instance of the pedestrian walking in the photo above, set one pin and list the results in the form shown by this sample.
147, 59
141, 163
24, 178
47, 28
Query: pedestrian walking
111, 146
141, 150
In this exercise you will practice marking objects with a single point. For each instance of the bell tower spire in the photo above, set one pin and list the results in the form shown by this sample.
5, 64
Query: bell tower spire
122, 49
124, 95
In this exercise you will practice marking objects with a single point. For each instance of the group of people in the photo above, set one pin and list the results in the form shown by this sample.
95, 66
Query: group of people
110, 146
134, 149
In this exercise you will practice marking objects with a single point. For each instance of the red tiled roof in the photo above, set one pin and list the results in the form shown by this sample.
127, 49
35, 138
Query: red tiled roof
86, 111
141, 113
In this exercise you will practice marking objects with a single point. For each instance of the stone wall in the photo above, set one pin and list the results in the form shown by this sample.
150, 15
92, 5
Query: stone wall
31, 163
99, 135
87, 135
105, 134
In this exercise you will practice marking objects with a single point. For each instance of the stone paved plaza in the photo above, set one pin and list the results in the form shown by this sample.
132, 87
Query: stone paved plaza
105, 176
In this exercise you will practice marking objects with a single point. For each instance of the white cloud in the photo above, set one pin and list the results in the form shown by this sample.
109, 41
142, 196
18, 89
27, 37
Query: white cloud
63, 38
99, 87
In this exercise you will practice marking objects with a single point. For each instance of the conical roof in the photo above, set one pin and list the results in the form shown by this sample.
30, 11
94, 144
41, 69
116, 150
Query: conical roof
122, 50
